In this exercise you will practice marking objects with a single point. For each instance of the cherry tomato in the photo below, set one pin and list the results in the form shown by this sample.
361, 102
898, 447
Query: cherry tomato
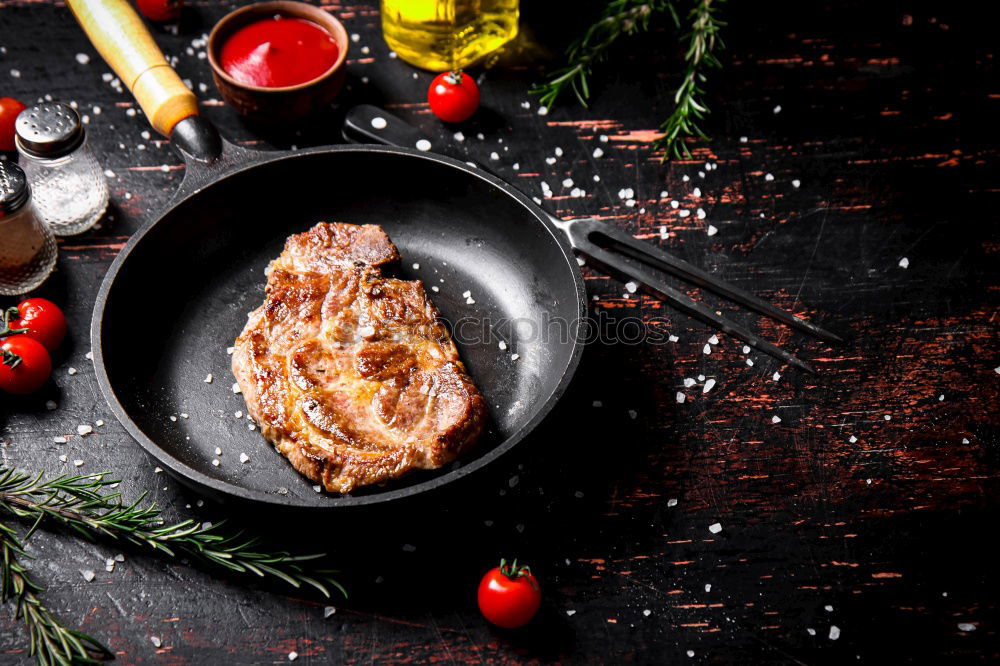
160, 10
9, 108
38, 319
453, 96
25, 365
509, 595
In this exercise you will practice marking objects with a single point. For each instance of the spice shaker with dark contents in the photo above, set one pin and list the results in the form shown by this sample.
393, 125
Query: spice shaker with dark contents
27, 247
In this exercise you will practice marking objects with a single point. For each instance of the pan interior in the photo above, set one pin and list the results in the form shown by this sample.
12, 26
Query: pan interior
183, 294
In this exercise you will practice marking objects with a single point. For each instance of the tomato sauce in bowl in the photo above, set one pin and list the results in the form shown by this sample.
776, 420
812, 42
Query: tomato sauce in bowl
278, 52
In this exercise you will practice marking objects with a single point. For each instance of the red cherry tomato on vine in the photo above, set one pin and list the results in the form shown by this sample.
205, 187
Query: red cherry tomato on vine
9, 108
24, 365
160, 10
39, 319
509, 595
453, 96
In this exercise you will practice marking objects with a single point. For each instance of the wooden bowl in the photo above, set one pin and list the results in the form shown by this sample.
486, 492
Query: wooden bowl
289, 103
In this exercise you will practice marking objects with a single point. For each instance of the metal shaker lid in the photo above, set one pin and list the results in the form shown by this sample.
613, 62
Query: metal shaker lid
48, 130
14, 189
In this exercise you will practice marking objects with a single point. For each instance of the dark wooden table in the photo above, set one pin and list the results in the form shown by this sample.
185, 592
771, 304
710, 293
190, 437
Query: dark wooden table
855, 182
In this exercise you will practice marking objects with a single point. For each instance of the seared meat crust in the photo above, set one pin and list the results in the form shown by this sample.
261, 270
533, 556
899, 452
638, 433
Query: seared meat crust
350, 374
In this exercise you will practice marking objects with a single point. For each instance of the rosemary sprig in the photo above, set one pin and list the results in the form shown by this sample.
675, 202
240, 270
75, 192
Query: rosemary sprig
79, 503
83, 504
627, 17
620, 17
689, 109
51, 641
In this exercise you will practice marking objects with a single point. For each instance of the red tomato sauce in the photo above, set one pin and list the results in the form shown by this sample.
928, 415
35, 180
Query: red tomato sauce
278, 52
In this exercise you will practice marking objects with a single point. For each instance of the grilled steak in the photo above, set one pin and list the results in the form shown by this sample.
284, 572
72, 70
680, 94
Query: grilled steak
350, 374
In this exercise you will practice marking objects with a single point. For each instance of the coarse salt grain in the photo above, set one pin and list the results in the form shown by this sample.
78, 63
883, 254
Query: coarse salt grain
852, 439
707, 349
502, 345
78, 463
712, 230
51, 405
746, 349
328, 611
244, 458
293, 655
236, 388
631, 287
680, 397
59, 440
84, 430
904, 262
776, 376
796, 182
514, 357
671, 502
768, 177
208, 378
714, 340
688, 382
834, 632
71, 371
543, 110
598, 152
708, 386
87, 574
777, 108
715, 528
966, 626
218, 451
215, 462
82, 58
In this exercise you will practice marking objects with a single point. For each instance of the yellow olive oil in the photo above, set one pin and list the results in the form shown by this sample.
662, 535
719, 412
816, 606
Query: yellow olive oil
447, 34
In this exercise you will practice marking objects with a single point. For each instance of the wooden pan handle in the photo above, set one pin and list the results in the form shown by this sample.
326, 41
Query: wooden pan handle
122, 39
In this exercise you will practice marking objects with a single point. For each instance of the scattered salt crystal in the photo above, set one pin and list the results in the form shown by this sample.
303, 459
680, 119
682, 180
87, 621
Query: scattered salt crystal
173, 418
543, 110
355, 37
810, 631
712, 230
777, 108
696, 192
688, 382
378, 122
675, 204
119, 557
887, 417
768, 177
515, 166
470, 301
631, 287
218, 451
690, 653
630, 203
708, 386
598, 152
318, 489
494, 156
904, 262
215, 462
208, 378
701, 378
715, 528
746, 349
603, 138
965, 440
514, 357
328, 611
776, 376
416, 267
966, 626
502, 345
71, 371
796, 182
238, 415
743, 139
775, 419
459, 136
663, 232
87, 574
568, 182
673, 338
834, 632
236, 388
750, 362
164, 168
685, 178
632, 413
59, 440
244, 458
51, 405
714, 340
293, 655
941, 398
82, 58
78, 463
684, 213
700, 213
671, 502
435, 288
646, 612
155, 640
423, 144
130, 112
84, 430
157, 470
828, 608
597, 178
708, 587
852, 439
681, 397
707, 349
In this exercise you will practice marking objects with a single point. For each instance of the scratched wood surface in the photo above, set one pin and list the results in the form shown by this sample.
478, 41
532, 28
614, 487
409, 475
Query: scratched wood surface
856, 507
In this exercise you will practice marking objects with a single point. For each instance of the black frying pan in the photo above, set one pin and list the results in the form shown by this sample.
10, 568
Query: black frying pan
178, 294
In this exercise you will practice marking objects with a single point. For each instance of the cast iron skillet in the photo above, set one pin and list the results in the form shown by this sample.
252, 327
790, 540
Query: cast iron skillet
178, 295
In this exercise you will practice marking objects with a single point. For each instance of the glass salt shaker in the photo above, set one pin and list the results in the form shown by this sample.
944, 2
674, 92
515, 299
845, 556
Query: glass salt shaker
27, 247
67, 182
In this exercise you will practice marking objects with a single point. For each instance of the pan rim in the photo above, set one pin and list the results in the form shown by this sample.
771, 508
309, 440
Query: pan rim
222, 488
